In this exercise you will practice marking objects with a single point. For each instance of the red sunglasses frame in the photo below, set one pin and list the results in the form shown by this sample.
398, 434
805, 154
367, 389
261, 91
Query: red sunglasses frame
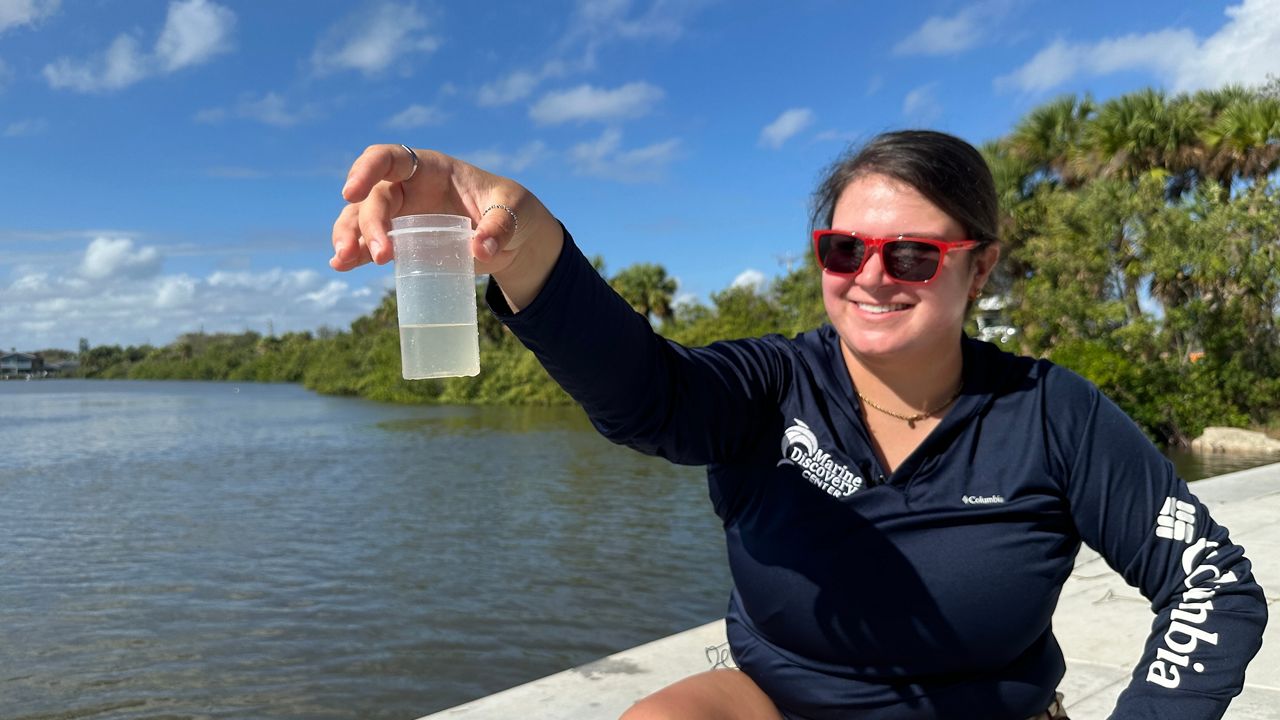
876, 245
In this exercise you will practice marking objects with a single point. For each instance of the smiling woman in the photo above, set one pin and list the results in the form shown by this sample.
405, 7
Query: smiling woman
899, 304
901, 554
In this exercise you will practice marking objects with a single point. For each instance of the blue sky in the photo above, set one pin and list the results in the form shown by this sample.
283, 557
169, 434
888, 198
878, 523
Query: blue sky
171, 166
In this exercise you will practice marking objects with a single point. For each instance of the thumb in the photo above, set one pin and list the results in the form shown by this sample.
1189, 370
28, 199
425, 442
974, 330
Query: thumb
497, 227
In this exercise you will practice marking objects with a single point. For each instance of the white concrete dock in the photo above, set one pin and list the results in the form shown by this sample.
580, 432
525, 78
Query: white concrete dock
1100, 621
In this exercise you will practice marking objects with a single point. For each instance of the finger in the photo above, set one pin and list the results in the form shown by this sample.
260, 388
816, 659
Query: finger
497, 227
349, 249
378, 163
382, 203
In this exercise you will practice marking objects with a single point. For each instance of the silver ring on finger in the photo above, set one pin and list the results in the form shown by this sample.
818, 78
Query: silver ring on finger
412, 156
515, 221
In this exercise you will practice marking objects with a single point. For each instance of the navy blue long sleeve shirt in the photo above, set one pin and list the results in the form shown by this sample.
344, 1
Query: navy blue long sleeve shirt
928, 591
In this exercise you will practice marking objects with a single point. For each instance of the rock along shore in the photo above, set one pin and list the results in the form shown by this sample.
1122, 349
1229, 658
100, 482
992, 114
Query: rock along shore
1225, 440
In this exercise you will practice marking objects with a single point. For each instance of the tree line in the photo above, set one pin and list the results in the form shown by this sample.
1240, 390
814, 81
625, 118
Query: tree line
1141, 248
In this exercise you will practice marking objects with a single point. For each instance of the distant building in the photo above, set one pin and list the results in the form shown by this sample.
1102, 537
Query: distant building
17, 363
993, 322
57, 369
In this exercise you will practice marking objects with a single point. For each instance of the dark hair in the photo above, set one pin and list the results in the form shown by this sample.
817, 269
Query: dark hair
946, 170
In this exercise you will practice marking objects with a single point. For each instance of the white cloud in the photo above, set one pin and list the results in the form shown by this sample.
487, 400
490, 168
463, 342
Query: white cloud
328, 296
1051, 67
25, 128
1060, 62
1243, 51
950, 35
57, 306
605, 158
32, 282
270, 109
42, 326
108, 257
661, 21
598, 23
592, 25
373, 40
119, 66
921, 105
292, 282
175, 291
415, 116
25, 12
194, 31
785, 126
495, 160
586, 102
749, 278
940, 36
518, 85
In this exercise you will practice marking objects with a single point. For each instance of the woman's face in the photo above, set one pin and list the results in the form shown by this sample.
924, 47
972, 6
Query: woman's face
879, 318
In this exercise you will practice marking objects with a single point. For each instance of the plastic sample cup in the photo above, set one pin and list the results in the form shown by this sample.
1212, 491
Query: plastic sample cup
435, 296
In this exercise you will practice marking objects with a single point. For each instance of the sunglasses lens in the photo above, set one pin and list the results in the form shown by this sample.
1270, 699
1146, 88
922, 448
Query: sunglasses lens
840, 253
911, 261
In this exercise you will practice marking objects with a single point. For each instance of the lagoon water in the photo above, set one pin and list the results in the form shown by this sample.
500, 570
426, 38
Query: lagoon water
209, 550
212, 550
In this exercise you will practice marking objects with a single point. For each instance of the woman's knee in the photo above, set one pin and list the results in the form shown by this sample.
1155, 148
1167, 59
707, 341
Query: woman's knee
713, 695
648, 709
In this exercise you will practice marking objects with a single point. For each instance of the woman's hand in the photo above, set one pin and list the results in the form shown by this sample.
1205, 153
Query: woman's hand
518, 254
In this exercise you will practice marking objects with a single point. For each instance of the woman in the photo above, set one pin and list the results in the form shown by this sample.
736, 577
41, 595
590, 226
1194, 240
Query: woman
901, 504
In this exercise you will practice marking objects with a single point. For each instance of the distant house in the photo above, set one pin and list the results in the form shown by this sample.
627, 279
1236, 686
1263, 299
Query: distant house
66, 367
17, 363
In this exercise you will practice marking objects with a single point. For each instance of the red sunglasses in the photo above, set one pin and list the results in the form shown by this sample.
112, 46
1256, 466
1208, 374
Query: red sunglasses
909, 260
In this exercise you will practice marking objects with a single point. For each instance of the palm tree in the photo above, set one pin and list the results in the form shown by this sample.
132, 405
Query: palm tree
1015, 175
1049, 137
1136, 133
1244, 140
1214, 101
1013, 171
646, 287
1141, 131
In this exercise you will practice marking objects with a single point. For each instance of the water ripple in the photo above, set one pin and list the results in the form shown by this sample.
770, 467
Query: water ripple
175, 550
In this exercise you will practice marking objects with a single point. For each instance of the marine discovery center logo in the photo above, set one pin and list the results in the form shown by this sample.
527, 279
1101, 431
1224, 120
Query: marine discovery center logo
800, 448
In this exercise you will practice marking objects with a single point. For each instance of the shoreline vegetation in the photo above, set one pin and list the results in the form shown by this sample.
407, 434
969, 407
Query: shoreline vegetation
1141, 242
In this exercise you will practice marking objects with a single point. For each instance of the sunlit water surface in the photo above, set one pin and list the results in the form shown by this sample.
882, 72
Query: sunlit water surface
204, 550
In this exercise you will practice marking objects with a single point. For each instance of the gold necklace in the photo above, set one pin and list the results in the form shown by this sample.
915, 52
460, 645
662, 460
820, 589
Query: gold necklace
911, 419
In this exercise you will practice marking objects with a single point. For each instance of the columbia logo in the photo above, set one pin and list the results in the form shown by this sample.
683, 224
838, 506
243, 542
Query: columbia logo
1177, 520
982, 499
